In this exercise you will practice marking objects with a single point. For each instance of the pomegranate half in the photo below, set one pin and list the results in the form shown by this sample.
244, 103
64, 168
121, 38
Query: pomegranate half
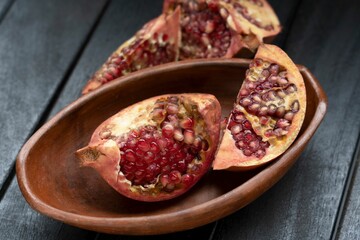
156, 149
268, 112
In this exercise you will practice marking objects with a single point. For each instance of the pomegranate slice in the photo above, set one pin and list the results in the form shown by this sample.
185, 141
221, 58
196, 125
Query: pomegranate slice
205, 30
255, 20
156, 149
268, 112
156, 43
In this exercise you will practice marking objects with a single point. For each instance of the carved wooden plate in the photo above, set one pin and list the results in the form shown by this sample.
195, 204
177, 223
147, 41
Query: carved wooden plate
54, 184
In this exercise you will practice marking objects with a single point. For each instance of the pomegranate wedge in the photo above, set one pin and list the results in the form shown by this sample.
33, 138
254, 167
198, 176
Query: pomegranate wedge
156, 43
268, 112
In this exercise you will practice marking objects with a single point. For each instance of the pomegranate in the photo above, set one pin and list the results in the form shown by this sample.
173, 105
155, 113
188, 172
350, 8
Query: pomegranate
221, 28
255, 20
268, 112
156, 43
205, 32
156, 149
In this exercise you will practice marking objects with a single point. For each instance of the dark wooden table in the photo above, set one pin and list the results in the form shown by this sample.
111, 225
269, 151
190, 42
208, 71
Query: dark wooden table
48, 49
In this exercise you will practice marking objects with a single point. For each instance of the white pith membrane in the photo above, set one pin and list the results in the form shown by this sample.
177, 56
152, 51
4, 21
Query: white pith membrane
263, 113
159, 126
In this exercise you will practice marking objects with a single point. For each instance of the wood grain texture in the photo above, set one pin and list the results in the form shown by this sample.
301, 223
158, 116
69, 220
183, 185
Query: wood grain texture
5, 5
19, 221
304, 205
350, 222
38, 43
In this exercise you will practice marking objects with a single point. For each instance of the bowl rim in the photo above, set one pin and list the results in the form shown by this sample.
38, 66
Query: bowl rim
196, 215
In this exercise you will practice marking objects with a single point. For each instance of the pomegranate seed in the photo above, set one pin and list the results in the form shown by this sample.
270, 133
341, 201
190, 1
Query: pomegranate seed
247, 125
175, 177
291, 89
130, 155
264, 120
289, 115
189, 136
295, 106
143, 145
281, 94
244, 92
158, 115
274, 68
168, 130
280, 111
263, 111
186, 123
236, 129
247, 152
260, 153
164, 179
281, 123
178, 135
172, 108
187, 179
254, 144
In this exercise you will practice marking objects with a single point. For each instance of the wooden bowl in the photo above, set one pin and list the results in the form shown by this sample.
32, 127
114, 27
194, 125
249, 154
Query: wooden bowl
54, 184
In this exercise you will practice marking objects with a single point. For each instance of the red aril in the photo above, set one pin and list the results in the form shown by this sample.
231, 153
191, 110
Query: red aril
156, 149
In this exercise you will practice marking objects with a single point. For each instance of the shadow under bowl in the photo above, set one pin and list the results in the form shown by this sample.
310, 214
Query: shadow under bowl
54, 184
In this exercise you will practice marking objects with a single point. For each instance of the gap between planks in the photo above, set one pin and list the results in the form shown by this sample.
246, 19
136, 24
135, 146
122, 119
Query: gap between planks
349, 182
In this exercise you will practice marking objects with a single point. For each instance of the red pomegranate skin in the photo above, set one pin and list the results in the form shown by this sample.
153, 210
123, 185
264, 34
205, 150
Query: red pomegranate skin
156, 149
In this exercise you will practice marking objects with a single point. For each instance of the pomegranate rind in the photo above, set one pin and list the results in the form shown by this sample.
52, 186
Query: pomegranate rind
244, 26
231, 158
164, 24
104, 155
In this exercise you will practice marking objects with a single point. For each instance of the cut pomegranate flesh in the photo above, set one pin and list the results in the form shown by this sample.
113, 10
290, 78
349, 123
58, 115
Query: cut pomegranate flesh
267, 114
204, 30
156, 149
156, 43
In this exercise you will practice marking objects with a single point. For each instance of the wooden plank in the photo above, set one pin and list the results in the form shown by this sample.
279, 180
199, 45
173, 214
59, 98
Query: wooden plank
38, 42
19, 221
286, 11
350, 224
203, 232
5, 5
305, 203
